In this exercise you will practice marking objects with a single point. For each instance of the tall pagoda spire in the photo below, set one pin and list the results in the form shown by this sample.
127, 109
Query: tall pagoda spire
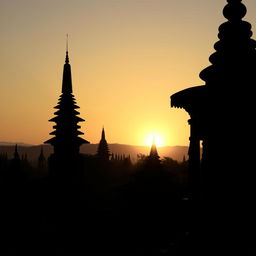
103, 150
41, 164
103, 137
66, 140
153, 151
67, 78
16, 154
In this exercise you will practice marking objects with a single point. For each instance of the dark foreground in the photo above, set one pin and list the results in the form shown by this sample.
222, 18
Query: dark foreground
43, 217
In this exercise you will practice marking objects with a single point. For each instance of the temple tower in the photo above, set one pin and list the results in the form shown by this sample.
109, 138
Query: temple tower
103, 150
221, 118
16, 155
215, 106
66, 141
153, 151
41, 162
153, 158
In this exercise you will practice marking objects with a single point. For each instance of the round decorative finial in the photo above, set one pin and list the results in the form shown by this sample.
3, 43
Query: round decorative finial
234, 10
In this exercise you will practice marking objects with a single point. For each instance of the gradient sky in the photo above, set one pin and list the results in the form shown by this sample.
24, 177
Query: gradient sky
127, 58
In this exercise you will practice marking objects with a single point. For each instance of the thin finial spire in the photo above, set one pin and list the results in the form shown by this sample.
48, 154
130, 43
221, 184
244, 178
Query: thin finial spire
103, 133
16, 154
66, 42
67, 58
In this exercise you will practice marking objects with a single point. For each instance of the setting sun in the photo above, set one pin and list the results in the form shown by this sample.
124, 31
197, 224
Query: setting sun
156, 138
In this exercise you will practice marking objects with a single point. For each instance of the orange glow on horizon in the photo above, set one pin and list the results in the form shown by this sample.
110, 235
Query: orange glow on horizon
155, 138
127, 58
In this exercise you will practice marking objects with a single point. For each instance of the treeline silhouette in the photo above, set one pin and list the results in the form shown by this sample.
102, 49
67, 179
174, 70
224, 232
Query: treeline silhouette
119, 206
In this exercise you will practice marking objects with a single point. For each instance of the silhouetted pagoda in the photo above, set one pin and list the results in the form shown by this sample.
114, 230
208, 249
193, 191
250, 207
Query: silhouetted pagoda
15, 165
16, 156
153, 159
66, 141
153, 151
221, 117
41, 163
220, 109
103, 150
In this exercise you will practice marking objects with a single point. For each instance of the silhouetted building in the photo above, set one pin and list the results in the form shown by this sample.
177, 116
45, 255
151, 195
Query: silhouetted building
16, 155
214, 107
66, 141
15, 164
153, 157
103, 150
221, 118
41, 163
153, 151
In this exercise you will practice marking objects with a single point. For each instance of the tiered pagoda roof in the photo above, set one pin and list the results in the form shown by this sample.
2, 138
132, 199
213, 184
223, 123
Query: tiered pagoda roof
66, 138
233, 63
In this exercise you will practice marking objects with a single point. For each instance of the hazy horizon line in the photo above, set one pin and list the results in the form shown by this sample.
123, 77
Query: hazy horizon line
114, 143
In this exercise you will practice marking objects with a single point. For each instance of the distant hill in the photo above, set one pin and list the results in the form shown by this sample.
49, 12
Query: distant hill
175, 152
3, 143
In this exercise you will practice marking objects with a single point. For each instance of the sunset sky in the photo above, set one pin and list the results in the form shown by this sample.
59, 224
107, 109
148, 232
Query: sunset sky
127, 58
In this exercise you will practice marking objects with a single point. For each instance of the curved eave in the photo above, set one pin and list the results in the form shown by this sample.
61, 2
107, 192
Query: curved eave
83, 141
189, 98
